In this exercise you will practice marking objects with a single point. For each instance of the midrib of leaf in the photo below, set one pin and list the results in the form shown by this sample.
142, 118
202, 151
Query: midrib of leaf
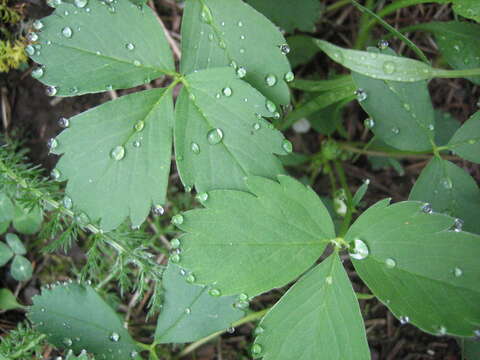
306, 243
183, 314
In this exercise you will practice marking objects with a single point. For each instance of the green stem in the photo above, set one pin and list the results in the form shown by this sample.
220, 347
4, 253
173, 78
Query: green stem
363, 37
250, 317
347, 220
441, 73
31, 345
337, 5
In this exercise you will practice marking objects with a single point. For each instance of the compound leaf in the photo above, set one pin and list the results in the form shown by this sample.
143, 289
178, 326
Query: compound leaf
189, 312
218, 33
318, 318
467, 8
75, 316
123, 150
451, 190
100, 47
423, 272
277, 223
402, 112
466, 141
290, 15
21, 269
220, 135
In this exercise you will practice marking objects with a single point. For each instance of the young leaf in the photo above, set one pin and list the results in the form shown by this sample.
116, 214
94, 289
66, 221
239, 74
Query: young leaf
189, 312
445, 127
101, 46
21, 269
378, 66
302, 49
5, 253
123, 149
402, 112
218, 33
8, 301
318, 318
27, 222
76, 317
467, 8
451, 190
466, 141
6, 208
220, 135
290, 15
424, 272
15, 244
277, 224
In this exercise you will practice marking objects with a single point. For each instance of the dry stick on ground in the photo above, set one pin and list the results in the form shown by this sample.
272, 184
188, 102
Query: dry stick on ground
171, 41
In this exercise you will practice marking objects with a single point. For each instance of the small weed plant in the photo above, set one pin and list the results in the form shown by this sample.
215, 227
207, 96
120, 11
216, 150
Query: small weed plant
259, 229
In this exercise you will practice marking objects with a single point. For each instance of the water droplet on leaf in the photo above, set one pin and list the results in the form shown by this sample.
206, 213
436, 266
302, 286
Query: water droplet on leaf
270, 106
241, 72
271, 80
257, 349
227, 91
404, 320
37, 25
289, 77
361, 95
52, 91
285, 49
215, 136
427, 208
67, 32
80, 3
114, 337
214, 292
457, 272
118, 152
130, 46
158, 210
390, 263
202, 197
287, 146
383, 44
177, 219
52, 144
195, 148
360, 250
369, 123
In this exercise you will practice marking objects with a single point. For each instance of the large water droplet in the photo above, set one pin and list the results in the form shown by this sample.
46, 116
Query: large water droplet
257, 349
270, 80
360, 250
427, 208
287, 146
52, 144
361, 95
195, 148
369, 123
37, 25
32, 37
458, 225
389, 67
285, 49
215, 136
175, 243
270, 106
190, 279
139, 125
214, 292
80, 3
177, 219
202, 197
130, 46
114, 337
30, 50
158, 210
289, 76
227, 92
390, 263
457, 272
383, 44
241, 72
51, 91
67, 32
118, 152
404, 320
259, 330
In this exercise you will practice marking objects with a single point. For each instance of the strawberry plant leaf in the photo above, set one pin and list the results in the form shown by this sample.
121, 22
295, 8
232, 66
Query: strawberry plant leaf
219, 137
218, 33
76, 317
451, 190
290, 15
402, 113
100, 46
422, 271
189, 312
123, 148
318, 318
445, 127
466, 141
287, 223
467, 8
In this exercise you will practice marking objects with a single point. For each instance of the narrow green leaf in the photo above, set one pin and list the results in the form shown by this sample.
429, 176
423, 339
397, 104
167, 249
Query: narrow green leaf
277, 224
362, 190
21, 269
218, 33
323, 85
27, 222
101, 46
318, 318
302, 49
15, 244
76, 317
467, 8
8, 301
189, 312
6, 208
5, 253
450, 190
466, 141
123, 148
290, 15
445, 127
423, 272
402, 112
220, 135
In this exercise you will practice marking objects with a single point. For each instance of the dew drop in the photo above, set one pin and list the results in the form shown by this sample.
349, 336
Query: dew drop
456, 48
329, 280
215, 136
389, 67
289, 76
227, 92
285, 49
139, 125
395, 131
458, 225
270, 106
195, 148
390, 263
130, 46
52, 144
177, 219
442, 330
383, 44
118, 153
190, 279
175, 258
240, 24
37, 73
114, 337
67, 32
231, 330
457, 272
30, 50
256, 126
242, 51
214, 292
188, 311
158, 210
42, 310
137, 63
369, 123
257, 349
241, 72
404, 320
51, 91
109, 87
202, 197
191, 97
137, 144
133, 354
427, 208
258, 330
67, 342
447, 183
37, 25
360, 250
431, 127
361, 95
270, 80
175, 243
80, 3
32, 37
287, 146
67, 202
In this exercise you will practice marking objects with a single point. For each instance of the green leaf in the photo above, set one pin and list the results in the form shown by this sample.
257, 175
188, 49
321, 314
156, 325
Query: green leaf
318, 318
302, 49
423, 272
5, 253
467, 8
471, 349
218, 33
378, 66
88, 49
362, 190
327, 120
402, 112
445, 127
76, 317
21, 269
6, 209
466, 141
4, 226
450, 190
220, 139
276, 224
8, 301
123, 148
189, 312
290, 15
15, 244
27, 222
